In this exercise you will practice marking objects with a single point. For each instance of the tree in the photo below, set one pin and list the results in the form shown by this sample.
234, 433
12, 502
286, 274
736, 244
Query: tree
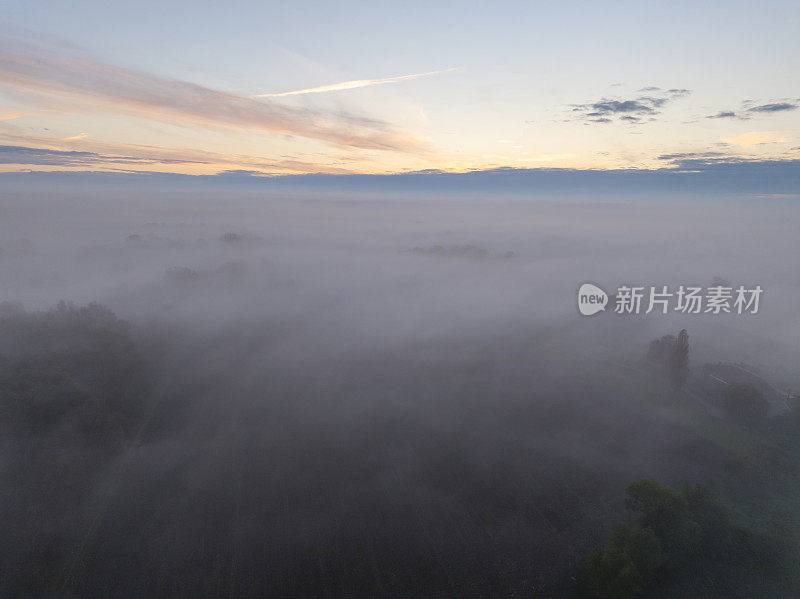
672, 354
673, 530
679, 360
712, 517
626, 565
73, 392
613, 574
659, 350
660, 507
642, 545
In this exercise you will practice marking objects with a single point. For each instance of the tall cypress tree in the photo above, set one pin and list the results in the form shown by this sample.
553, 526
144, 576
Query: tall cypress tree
679, 360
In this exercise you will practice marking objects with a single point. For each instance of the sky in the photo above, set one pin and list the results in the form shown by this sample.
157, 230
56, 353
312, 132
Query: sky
364, 87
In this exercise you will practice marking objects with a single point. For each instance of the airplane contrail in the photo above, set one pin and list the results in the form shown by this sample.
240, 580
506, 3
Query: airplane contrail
355, 84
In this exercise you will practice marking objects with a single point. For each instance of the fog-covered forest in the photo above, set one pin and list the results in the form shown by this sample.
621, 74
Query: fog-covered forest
223, 392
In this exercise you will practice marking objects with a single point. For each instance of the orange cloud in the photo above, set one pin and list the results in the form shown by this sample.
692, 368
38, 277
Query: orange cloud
42, 152
56, 80
7, 113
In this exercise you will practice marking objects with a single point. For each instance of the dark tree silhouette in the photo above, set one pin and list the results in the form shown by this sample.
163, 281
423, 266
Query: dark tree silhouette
659, 350
679, 360
673, 532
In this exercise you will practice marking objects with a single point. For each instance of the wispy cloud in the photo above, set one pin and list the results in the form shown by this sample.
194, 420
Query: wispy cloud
751, 110
54, 80
774, 107
355, 84
8, 113
709, 157
21, 155
635, 110
23, 150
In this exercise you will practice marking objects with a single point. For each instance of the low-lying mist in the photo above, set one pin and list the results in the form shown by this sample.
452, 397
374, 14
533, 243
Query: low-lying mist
324, 397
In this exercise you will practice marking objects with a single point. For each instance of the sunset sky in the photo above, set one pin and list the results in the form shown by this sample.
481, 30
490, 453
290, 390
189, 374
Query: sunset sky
365, 87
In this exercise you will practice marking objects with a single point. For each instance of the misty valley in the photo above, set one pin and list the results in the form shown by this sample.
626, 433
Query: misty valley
210, 393
411, 300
